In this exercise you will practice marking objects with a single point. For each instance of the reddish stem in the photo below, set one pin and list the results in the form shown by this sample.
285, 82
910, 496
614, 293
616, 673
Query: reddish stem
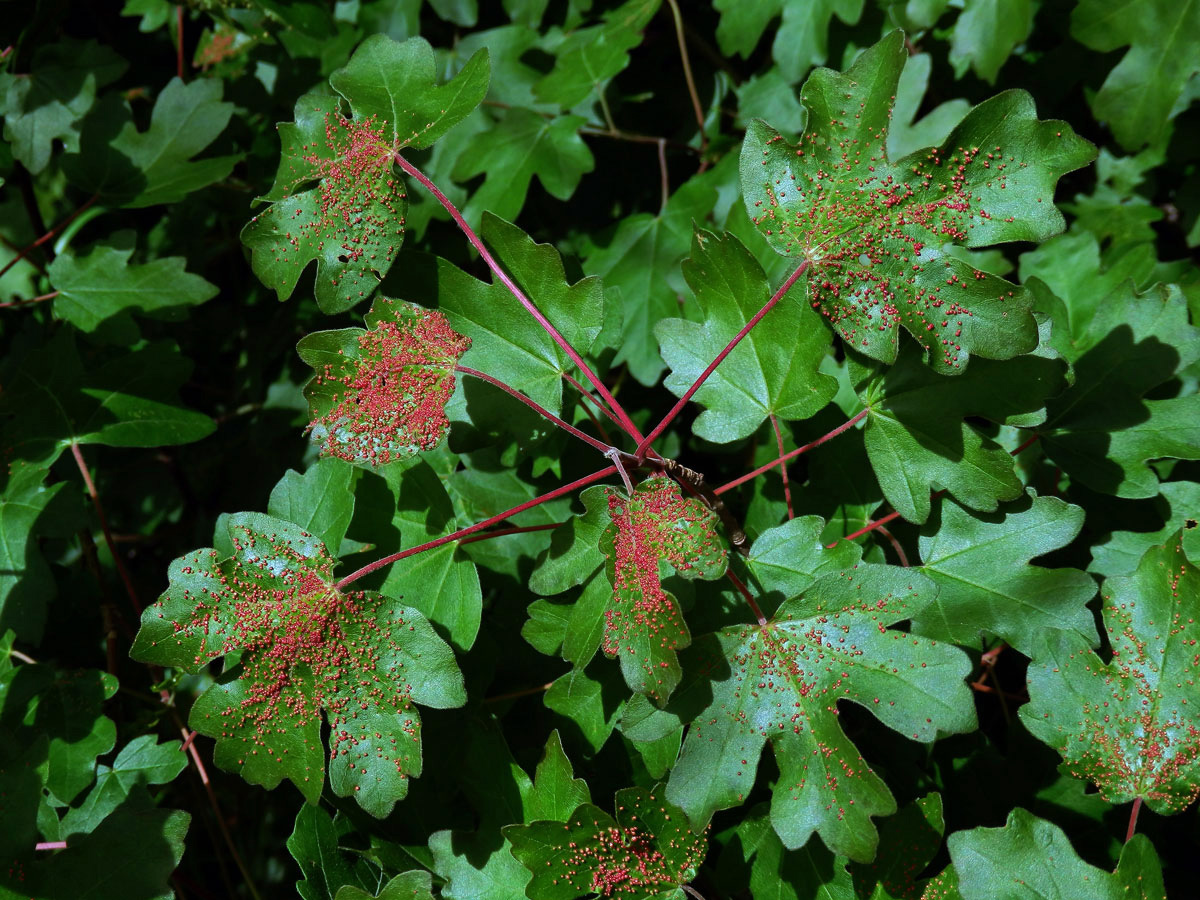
25, 251
525, 692
745, 592
179, 41
478, 526
870, 526
793, 454
1133, 814
545, 413
895, 545
515, 290
38, 299
787, 488
675, 410
501, 532
588, 395
1032, 439
108, 538
50, 845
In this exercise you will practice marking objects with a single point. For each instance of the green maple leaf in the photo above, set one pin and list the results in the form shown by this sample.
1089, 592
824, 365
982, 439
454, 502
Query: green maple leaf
414, 885
772, 372
132, 168
352, 221
986, 585
314, 844
908, 842
641, 259
506, 342
592, 700
305, 648
48, 103
1140, 93
780, 683
875, 232
380, 393
523, 144
26, 583
646, 851
321, 501
589, 57
986, 33
1032, 859
802, 39
1120, 553
101, 284
916, 436
122, 400
1128, 726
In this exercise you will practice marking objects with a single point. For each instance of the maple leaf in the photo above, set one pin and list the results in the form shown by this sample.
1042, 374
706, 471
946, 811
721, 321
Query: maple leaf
303, 647
380, 393
875, 232
646, 851
352, 221
1140, 94
780, 683
802, 39
986, 33
772, 372
1129, 726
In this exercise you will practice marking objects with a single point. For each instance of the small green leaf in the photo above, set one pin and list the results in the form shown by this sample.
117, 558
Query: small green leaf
875, 232
802, 39
980, 563
986, 33
141, 762
1128, 726
787, 559
477, 869
305, 647
26, 584
592, 703
132, 168
415, 885
556, 791
773, 371
102, 284
647, 849
908, 842
314, 844
780, 683
380, 394
321, 501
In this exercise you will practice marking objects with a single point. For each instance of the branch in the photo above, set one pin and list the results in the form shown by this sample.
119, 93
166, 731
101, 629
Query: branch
108, 538
38, 299
549, 416
25, 251
504, 278
645, 443
691, 82
792, 454
478, 526
745, 592
787, 488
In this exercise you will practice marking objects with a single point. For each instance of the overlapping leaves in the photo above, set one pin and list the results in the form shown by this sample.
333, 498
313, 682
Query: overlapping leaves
302, 648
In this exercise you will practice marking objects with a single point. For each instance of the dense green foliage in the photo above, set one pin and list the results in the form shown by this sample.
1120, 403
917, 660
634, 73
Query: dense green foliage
447, 443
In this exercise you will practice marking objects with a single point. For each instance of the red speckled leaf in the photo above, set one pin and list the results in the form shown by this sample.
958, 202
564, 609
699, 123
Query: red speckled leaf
648, 535
781, 683
645, 852
1131, 726
380, 394
302, 647
878, 234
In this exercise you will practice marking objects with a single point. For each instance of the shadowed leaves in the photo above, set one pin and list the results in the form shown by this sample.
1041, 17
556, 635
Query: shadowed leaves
1128, 726
303, 648
876, 232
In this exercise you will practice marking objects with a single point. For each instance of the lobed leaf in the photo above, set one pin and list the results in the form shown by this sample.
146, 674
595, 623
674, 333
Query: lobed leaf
1128, 725
305, 648
876, 233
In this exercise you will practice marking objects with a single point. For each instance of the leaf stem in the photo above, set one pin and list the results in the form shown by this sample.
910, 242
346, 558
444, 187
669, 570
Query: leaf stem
25, 251
501, 532
745, 592
471, 529
108, 538
1032, 440
1133, 817
524, 692
588, 395
645, 443
29, 302
664, 177
504, 278
545, 413
850, 423
691, 82
179, 41
787, 488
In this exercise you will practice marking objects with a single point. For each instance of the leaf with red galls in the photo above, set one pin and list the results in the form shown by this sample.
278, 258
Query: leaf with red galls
1129, 726
645, 852
380, 393
302, 648
878, 234
781, 683
643, 624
